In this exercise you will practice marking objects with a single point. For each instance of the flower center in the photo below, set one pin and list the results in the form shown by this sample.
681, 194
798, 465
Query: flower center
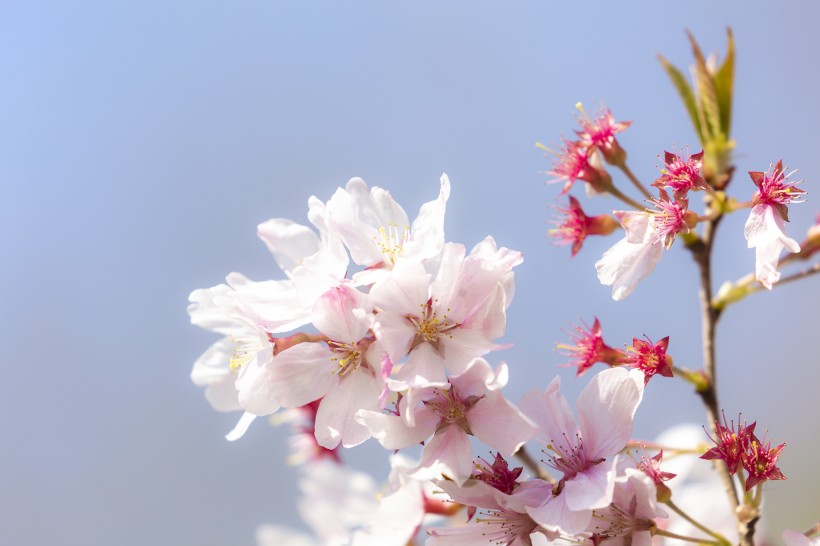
391, 241
349, 357
430, 326
569, 458
245, 349
506, 527
452, 409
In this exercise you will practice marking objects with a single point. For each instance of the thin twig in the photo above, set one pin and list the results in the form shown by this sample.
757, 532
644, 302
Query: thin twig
634, 179
532, 465
700, 526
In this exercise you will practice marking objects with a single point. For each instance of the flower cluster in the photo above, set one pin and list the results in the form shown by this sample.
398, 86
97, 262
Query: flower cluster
589, 348
380, 328
741, 449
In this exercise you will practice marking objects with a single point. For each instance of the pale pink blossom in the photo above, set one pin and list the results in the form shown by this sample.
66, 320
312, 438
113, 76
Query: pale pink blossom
632, 258
766, 233
443, 322
497, 517
402, 508
472, 404
377, 231
344, 371
630, 519
584, 453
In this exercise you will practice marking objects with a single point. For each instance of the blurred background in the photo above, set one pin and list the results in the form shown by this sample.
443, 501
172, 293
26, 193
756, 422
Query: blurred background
142, 142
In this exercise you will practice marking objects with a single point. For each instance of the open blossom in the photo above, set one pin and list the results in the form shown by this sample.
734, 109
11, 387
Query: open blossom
632, 258
681, 174
376, 230
497, 511
343, 371
443, 322
583, 452
575, 225
471, 404
589, 348
774, 188
630, 519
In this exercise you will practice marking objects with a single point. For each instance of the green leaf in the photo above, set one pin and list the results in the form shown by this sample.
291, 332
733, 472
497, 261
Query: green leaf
685, 92
708, 109
724, 84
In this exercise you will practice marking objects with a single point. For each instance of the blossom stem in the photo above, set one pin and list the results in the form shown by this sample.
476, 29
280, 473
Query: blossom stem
625, 198
720, 538
702, 253
668, 451
532, 465
663, 533
634, 179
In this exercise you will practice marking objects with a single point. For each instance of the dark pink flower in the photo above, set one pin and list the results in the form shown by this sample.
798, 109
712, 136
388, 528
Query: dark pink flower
498, 474
589, 348
759, 461
775, 189
575, 225
681, 174
599, 133
649, 357
731, 445
575, 162
671, 218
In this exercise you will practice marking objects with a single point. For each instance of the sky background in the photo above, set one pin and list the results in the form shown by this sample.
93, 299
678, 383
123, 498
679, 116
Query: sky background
142, 142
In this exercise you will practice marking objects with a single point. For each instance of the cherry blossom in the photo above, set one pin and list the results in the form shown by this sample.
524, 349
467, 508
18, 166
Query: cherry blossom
376, 230
766, 233
632, 258
579, 451
589, 348
599, 133
575, 226
682, 174
765, 229
446, 321
630, 519
471, 404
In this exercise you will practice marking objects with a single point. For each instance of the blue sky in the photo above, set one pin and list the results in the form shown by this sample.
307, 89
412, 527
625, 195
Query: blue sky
142, 142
